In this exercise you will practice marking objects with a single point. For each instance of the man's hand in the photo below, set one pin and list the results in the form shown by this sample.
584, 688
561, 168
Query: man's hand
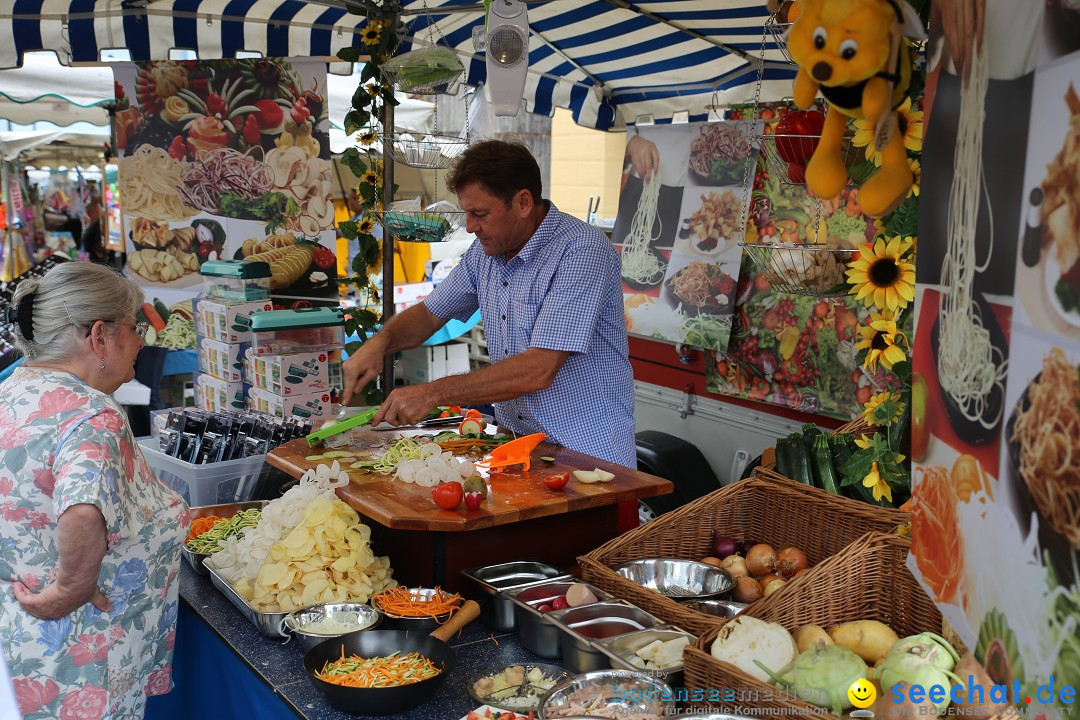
644, 157
362, 367
52, 603
962, 23
406, 405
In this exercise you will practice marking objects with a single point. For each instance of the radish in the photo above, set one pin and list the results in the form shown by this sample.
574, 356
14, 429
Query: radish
471, 427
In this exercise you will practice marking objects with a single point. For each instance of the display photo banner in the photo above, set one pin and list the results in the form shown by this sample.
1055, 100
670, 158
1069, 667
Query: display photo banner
227, 159
682, 214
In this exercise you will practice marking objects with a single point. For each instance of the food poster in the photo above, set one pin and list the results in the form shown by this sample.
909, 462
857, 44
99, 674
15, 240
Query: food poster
996, 500
682, 210
227, 159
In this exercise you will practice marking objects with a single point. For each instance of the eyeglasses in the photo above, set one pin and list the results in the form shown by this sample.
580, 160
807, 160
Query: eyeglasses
140, 328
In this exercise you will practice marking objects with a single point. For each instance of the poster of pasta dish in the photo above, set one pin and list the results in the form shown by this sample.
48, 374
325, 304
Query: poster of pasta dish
682, 213
227, 159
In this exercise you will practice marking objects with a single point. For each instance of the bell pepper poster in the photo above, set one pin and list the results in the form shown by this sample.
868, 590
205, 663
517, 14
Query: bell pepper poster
227, 159
682, 213
996, 385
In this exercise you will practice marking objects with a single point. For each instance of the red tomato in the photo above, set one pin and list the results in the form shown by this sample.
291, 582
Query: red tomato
448, 495
796, 172
555, 481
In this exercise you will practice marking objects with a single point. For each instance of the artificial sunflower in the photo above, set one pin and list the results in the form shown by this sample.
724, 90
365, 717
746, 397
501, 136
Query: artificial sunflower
883, 409
365, 226
882, 275
864, 137
371, 177
877, 484
882, 341
367, 137
372, 34
916, 170
910, 125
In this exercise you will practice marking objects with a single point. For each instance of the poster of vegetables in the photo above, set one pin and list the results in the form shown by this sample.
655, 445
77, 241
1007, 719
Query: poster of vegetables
227, 159
682, 211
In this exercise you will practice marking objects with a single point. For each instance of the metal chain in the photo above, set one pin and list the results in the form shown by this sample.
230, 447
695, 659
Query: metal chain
750, 168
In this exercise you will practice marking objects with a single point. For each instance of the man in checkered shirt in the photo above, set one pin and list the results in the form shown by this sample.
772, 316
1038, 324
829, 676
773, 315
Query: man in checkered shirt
549, 288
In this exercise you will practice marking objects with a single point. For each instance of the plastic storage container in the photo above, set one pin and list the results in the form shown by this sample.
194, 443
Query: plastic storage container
284, 332
225, 320
241, 280
212, 484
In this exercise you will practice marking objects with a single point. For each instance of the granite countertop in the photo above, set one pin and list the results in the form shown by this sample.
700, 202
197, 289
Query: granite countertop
279, 663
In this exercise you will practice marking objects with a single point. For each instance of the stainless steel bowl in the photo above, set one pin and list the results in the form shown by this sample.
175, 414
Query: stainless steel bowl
301, 622
523, 697
423, 624
678, 579
719, 608
628, 693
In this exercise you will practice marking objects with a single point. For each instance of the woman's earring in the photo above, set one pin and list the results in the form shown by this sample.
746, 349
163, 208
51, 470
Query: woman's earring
102, 363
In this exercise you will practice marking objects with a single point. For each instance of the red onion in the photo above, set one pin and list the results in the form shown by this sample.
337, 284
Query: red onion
745, 545
722, 546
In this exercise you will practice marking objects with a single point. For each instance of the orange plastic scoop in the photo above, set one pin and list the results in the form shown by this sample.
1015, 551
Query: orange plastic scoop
515, 452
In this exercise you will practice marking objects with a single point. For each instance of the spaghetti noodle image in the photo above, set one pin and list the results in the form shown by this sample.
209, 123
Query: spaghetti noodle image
936, 541
1047, 433
148, 180
703, 286
639, 264
970, 368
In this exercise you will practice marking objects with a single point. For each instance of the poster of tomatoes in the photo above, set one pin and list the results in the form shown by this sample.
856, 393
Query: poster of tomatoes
227, 159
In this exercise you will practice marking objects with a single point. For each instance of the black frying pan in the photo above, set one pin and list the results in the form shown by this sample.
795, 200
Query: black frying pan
376, 643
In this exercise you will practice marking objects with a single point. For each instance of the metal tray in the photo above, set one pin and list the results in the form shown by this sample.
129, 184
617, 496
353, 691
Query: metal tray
621, 647
488, 586
581, 627
226, 511
269, 624
535, 629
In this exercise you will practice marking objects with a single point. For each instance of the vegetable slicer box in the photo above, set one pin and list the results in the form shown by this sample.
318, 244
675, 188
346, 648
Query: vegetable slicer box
216, 395
296, 374
209, 484
222, 360
284, 332
226, 322
316, 405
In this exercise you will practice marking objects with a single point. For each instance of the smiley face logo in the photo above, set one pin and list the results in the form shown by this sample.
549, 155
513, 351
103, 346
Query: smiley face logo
862, 693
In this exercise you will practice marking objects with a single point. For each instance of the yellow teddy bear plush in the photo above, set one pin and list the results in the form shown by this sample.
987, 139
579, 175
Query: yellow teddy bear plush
852, 52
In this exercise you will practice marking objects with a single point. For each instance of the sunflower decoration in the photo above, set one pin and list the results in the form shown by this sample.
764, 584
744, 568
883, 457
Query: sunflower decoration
371, 177
877, 484
366, 225
883, 341
372, 33
367, 137
916, 170
883, 274
883, 409
909, 125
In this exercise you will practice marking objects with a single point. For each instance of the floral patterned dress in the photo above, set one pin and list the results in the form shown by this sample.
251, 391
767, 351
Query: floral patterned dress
63, 443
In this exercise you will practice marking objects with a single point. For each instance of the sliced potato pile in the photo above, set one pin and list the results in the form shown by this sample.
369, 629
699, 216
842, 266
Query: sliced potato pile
326, 558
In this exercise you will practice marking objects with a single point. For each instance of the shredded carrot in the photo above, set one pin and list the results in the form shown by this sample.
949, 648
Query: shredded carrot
201, 525
377, 672
403, 602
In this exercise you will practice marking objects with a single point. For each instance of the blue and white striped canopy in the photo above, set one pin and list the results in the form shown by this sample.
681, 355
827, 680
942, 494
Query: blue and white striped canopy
608, 61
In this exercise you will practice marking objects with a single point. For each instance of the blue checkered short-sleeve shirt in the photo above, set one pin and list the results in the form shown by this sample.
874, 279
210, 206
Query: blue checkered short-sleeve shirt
563, 291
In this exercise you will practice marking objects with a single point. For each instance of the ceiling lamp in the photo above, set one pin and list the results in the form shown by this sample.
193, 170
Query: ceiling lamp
507, 55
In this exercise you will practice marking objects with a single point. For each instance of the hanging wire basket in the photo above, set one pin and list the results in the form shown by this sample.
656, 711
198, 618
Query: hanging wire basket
427, 71
432, 152
778, 29
803, 269
786, 157
428, 226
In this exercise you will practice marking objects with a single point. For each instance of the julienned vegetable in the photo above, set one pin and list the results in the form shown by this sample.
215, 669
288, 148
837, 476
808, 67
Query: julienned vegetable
821, 675
746, 639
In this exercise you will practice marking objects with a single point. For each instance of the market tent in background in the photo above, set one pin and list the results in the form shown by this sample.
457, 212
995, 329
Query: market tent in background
43, 89
52, 147
606, 63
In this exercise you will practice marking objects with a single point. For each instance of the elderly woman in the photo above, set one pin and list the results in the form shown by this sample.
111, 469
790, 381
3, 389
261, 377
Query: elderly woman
90, 538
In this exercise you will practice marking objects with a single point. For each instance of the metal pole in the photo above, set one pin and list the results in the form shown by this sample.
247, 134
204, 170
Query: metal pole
388, 238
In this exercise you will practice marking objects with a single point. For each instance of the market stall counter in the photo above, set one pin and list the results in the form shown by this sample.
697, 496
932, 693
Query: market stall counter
520, 516
223, 662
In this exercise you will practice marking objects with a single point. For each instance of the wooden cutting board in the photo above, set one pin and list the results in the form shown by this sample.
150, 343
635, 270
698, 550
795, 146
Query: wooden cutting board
513, 496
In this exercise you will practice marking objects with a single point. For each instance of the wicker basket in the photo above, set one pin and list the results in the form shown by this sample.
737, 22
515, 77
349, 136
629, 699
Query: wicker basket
778, 511
869, 580
856, 427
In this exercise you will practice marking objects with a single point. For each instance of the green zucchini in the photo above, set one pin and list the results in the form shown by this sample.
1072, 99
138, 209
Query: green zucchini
841, 446
783, 457
898, 430
809, 432
162, 309
800, 455
824, 472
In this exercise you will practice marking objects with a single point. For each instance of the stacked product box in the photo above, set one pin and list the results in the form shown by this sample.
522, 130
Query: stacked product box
233, 292
293, 364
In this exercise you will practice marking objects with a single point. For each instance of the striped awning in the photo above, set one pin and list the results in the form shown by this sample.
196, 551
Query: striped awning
608, 61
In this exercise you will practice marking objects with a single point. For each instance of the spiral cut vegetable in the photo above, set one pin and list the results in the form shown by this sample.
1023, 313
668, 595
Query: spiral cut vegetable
209, 541
402, 449
376, 672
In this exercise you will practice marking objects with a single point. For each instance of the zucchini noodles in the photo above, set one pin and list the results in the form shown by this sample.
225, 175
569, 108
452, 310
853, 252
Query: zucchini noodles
149, 183
639, 263
970, 368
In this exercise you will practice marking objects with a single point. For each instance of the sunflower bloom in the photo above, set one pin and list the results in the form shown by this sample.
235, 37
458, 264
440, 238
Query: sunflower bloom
372, 34
877, 401
916, 170
882, 341
365, 226
864, 137
863, 442
911, 125
370, 177
367, 137
877, 484
882, 275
